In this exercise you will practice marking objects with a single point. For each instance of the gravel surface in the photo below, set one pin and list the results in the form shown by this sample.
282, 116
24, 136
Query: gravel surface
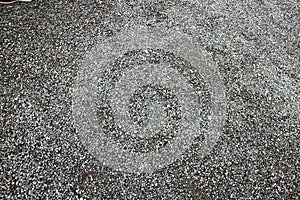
249, 79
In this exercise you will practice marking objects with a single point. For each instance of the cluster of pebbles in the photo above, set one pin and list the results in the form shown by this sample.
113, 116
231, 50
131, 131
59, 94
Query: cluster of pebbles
252, 43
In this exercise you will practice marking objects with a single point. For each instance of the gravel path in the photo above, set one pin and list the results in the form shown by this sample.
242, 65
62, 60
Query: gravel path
224, 79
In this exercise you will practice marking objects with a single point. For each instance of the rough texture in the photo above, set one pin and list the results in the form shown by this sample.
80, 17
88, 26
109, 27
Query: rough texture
255, 45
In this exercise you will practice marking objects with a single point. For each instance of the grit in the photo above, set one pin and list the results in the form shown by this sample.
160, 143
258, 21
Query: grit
254, 44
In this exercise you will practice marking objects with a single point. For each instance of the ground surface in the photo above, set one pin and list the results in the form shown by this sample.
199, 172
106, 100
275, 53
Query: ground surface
252, 45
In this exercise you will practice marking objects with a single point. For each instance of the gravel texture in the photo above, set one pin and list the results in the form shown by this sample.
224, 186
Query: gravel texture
255, 47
